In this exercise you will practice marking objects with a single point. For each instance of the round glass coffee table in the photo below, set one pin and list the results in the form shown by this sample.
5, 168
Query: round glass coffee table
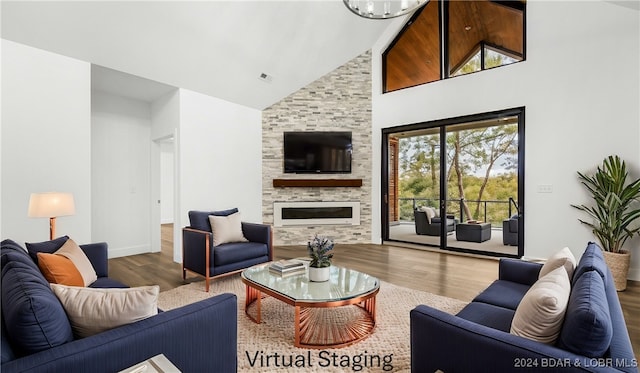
334, 313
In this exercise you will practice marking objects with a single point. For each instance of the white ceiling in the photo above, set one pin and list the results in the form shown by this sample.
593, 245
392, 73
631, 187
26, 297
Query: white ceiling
218, 48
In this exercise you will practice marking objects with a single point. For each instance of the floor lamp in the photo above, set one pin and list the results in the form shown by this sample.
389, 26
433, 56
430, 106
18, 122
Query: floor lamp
51, 205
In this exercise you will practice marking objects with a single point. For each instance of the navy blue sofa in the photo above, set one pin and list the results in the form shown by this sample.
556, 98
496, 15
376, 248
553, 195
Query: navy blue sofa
477, 339
37, 336
200, 256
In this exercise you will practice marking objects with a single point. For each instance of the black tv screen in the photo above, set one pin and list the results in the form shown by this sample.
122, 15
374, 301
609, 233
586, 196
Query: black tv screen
317, 152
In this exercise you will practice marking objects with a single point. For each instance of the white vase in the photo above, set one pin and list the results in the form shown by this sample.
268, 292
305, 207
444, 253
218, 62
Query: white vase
319, 274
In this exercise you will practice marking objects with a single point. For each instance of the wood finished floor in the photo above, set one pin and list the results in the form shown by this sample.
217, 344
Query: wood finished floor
455, 276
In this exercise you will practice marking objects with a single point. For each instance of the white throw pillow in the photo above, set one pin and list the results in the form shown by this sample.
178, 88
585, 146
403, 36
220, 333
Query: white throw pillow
74, 253
226, 229
540, 314
563, 258
430, 212
92, 310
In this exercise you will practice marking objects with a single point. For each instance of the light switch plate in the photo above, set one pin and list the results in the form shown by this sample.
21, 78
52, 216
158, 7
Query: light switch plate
545, 188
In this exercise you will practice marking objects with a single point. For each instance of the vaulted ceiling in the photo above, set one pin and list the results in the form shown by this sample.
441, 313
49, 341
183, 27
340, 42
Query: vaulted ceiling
219, 48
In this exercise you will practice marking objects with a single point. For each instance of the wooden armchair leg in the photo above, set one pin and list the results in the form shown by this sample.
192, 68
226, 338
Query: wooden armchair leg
206, 284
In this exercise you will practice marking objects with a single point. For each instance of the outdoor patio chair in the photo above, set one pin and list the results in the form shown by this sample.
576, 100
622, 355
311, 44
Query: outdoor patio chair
510, 231
430, 224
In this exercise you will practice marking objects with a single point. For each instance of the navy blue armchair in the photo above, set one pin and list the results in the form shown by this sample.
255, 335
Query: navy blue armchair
200, 256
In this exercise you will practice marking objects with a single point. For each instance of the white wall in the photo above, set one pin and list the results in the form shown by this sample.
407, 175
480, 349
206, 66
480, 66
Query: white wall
580, 87
46, 118
1, 80
165, 115
121, 181
220, 157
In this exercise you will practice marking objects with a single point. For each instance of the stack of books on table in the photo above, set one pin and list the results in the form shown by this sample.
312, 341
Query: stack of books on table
287, 267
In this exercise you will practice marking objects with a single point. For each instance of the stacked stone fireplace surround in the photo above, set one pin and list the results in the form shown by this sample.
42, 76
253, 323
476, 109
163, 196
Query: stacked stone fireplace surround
339, 101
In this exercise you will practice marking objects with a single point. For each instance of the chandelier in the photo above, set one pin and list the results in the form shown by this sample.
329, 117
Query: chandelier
382, 9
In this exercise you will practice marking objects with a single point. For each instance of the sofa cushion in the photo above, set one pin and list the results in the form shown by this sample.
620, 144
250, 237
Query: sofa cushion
73, 252
48, 247
488, 315
541, 312
12, 251
563, 258
503, 293
59, 270
92, 311
200, 219
33, 316
98, 255
430, 212
587, 328
226, 229
238, 251
591, 260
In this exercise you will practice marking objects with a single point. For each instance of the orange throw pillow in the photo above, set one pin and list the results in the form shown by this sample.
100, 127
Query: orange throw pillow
59, 270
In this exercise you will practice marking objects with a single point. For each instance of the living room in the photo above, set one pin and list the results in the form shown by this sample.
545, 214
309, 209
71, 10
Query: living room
578, 110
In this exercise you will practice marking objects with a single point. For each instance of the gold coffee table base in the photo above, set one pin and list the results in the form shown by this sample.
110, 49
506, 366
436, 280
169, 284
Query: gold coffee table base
321, 325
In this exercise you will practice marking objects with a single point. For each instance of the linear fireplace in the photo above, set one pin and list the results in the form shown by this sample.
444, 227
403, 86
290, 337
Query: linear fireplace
316, 213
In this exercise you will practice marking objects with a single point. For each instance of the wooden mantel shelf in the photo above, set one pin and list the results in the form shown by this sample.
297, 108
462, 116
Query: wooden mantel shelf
283, 183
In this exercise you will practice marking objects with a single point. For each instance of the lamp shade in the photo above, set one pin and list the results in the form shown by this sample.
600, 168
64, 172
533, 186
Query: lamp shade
51, 204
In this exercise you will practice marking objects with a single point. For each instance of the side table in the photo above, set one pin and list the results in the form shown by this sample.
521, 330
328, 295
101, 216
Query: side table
473, 232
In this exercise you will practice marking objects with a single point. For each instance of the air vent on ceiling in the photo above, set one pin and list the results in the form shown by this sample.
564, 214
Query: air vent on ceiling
265, 77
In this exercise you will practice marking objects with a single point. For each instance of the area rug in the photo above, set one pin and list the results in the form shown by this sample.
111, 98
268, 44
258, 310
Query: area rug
269, 346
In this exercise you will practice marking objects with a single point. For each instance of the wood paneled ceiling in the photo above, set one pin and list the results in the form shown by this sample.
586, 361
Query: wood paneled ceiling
414, 57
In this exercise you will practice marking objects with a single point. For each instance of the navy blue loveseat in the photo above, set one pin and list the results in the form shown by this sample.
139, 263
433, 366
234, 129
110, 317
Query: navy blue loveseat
477, 339
37, 336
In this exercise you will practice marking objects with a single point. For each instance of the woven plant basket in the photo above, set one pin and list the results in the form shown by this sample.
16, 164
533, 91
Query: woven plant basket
619, 265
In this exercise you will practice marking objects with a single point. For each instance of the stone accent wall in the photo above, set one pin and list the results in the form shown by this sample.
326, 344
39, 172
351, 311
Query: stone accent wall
339, 101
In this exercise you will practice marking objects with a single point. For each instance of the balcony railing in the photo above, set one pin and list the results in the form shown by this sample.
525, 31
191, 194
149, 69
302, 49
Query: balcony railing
492, 211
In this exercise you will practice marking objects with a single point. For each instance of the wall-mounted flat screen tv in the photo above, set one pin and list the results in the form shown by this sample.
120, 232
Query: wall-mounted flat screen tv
317, 152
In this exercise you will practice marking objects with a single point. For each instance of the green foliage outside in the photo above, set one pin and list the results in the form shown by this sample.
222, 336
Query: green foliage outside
473, 156
492, 58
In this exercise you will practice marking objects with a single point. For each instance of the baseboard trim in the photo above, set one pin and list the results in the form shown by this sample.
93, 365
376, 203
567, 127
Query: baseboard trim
127, 251
634, 274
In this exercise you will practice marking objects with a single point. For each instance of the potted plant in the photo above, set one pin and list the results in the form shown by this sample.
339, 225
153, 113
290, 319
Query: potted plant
614, 213
319, 249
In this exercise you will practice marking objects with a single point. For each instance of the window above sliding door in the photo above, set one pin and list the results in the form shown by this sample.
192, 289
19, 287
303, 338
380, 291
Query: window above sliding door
451, 38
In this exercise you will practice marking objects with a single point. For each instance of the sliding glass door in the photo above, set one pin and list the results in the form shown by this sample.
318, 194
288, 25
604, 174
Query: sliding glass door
456, 184
414, 187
